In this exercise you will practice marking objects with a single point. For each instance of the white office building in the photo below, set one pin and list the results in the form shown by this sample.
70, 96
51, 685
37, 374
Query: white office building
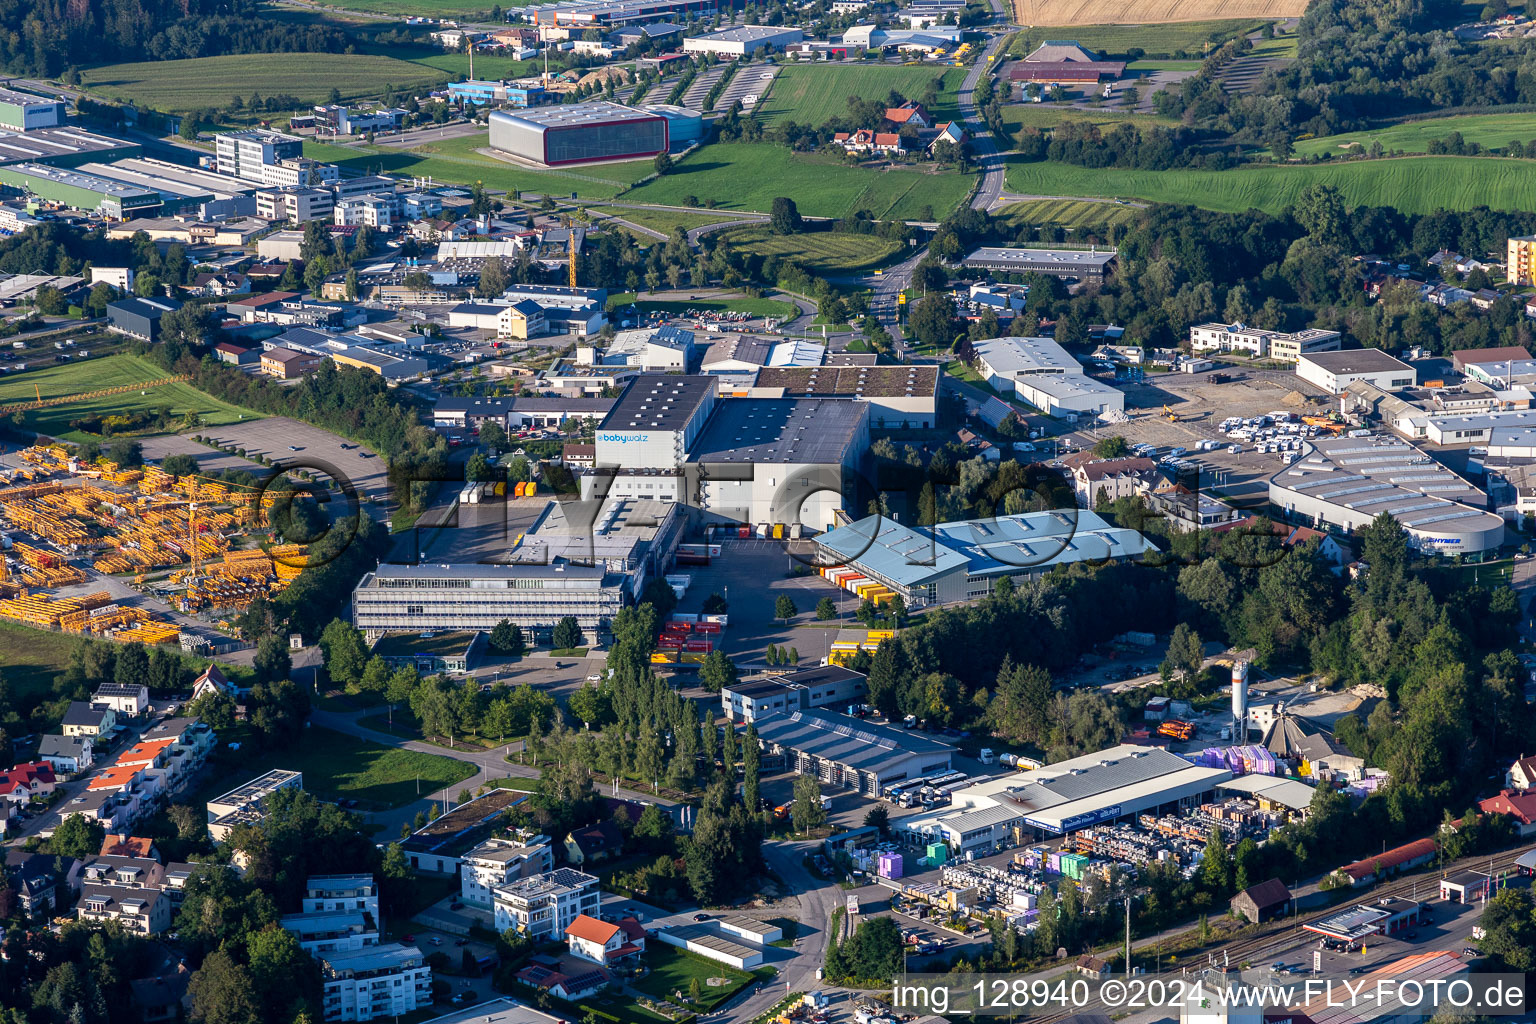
269, 158
1335, 371
544, 905
742, 41
375, 983
1262, 344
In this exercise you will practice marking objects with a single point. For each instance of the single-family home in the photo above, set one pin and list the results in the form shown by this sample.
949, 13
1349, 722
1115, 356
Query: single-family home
604, 942
37, 878
127, 701
916, 115
594, 843
866, 141
26, 782
1520, 805
67, 754
220, 285
569, 987
82, 719
1521, 775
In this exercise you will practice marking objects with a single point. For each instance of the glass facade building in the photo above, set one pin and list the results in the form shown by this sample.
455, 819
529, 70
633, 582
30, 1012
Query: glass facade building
579, 133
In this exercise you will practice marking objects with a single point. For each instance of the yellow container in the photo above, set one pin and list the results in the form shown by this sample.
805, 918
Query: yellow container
529, 491
778, 531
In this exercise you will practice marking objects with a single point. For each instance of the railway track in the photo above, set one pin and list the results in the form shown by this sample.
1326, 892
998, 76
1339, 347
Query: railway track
1291, 935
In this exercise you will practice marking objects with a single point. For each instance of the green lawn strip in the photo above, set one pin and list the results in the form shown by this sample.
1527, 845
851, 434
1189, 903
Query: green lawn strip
466, 147
813, 94
514, 782
452, 168
749, 176
1069, 213
665, 221
1488, 130
1049, 115
1412, 185
743, 304
405, 727
672, 969
338, 766
820, 252
197, 82
87, 376
30, 658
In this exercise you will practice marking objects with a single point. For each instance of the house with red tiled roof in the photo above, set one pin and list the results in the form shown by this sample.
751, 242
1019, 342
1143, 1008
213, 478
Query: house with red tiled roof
603, 942
1520, 806
25, 781
866, 141
120, 845
915, 115
569, 987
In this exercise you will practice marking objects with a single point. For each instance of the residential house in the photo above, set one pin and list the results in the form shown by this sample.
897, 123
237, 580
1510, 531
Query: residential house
161, 998
221, 284
1095, 967
37, 878
866, 141
67, 754
603, 942
1519, 805
1521, 775
1113, 479
82, 719
916, 115
355, 893
140, 911
213, 680
949, 131
1259, 903
117, 844
324, 932
25, 782
498, 862
127, 701
594, 843
569, 987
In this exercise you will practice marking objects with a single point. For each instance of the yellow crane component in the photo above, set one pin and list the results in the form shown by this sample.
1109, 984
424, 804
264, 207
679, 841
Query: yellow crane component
1170, 415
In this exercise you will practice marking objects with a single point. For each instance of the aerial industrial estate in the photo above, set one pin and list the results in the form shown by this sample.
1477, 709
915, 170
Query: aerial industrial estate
625, 511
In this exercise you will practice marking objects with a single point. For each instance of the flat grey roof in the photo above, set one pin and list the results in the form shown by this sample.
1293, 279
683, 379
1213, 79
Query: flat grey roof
89, 182
750, 33
710, 939
852, 381
1356, 360
497, 1011
54, 142
574, 115
655, 401
27, 99
813, 431
1037, 257
846, 741
471, 572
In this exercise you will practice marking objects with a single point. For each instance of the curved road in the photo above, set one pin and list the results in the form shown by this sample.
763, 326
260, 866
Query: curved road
984, 148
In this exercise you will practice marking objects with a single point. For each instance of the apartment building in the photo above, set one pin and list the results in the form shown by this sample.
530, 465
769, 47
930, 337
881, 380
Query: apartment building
500, 862
544, 905
376, 210
1521, 262
128, 701
373, 983
341, 892
324, 932
242, 805
128, 890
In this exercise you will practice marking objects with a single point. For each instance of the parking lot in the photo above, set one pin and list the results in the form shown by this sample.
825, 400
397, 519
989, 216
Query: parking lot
296, 445
751, 81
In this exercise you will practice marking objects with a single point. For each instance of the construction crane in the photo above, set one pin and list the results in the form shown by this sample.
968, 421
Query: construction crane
570, 244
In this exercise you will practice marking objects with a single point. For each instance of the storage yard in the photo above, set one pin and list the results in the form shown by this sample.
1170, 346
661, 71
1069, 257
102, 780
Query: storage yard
177, 537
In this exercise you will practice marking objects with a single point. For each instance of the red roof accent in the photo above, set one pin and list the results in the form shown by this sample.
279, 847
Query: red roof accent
117, 845
267, 299
591, 929
1520, 806
1396, 857
27, 775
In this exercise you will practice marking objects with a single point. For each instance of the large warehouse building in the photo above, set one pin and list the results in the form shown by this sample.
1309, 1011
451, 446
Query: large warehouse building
899, 397
1042, 373
1120, 782
27, 112
963, 560
1349, 481
776, 461
850, 753
1067, 264
743, 41
103, 196
579, 133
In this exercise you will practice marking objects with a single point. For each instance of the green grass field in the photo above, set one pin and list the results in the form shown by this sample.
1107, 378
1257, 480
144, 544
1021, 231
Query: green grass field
734, 304
337, 765
665, 221
487, 66
1154, 40
820, 252
812, 94
177, 85
456, 162
30, 658
1076, 214
100, 374
672, 970
464, 9
1049, 115
1415, 136
1412, 185
748, 176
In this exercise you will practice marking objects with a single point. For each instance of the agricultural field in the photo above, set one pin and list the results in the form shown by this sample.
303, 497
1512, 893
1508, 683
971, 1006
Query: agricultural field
1139, 12
1049, 115
820, 252
1073, 214
78, 378
1415, 136
1410, 184
487, 66
1111, 39
32, 657
179, 85
455, 161
812, 94
748, 176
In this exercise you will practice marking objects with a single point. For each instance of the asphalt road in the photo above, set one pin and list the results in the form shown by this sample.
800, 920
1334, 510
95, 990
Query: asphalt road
984, 148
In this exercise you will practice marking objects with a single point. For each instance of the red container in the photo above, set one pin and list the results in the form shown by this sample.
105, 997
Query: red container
699, 646
707, 627
744, 531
